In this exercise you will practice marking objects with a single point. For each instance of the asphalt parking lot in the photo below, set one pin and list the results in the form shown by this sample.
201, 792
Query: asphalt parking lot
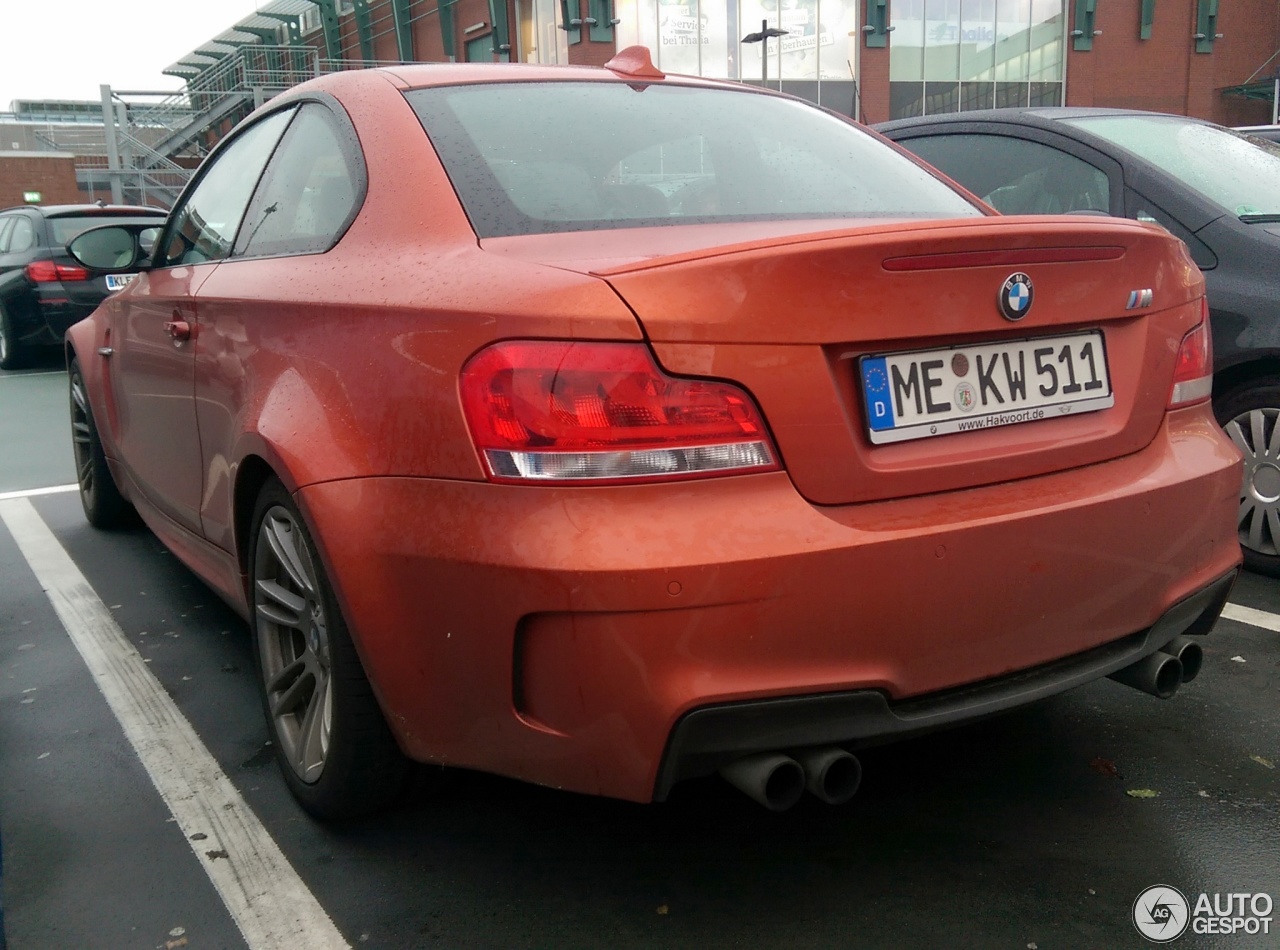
1037, 829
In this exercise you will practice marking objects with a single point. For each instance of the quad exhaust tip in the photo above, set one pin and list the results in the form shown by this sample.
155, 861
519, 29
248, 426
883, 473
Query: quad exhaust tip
777, 780
1159, 674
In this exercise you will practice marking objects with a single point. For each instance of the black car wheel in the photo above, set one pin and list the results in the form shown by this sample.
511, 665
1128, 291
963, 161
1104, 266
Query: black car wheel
10, 351
104, 506
1251, 418
334, 747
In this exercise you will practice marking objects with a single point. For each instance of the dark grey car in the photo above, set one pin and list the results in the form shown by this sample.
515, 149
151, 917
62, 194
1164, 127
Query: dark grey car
42, 290
1217, 189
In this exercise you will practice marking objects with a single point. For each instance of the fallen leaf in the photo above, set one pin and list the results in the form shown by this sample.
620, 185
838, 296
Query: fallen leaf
173, 944
1105, 767
1265, 763
1238, 659
177, 931
663, 910
214, 855
1141, 793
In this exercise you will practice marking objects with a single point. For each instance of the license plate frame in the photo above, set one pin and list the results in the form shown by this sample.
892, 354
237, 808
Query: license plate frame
918, 394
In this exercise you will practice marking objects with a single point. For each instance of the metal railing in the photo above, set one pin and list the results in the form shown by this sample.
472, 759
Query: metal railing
140, 155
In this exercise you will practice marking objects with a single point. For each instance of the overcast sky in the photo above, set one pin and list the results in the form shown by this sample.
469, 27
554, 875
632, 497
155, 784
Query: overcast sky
66, 49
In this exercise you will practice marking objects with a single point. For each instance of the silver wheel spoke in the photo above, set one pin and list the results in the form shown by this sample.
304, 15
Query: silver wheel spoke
1257, 423
287, 675
285, 608
299, 693
281, 536
313, 740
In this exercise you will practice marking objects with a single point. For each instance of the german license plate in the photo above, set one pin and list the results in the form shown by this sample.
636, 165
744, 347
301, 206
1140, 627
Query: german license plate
119, 281
923, 393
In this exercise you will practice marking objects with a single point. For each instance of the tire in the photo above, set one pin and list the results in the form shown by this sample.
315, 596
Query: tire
103, 504
333, 745
12, 354
1250, 415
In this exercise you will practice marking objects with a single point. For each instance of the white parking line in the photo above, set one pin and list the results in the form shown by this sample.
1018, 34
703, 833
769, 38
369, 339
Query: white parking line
1255, 618
265, 896
33, 492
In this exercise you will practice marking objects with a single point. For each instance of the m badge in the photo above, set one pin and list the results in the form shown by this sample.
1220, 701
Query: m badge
1139, 298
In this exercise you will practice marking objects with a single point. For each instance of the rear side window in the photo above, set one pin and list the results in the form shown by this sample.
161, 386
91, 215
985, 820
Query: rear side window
6, 228
204, 226
531, 158
309, 192
23, 235
1015, 175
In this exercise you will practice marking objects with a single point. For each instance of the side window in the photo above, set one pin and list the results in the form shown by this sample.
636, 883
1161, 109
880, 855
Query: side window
1017, 176
23, 235
6, 226
308, 193
204, 226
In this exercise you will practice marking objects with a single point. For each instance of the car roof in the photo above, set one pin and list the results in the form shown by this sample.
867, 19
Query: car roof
57, 211
1044, 117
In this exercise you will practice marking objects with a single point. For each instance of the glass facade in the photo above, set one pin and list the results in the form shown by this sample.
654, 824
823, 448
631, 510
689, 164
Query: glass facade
816, 59
953, 55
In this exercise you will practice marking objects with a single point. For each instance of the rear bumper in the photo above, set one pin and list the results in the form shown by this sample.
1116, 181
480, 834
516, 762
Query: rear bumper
712, 736
580, 638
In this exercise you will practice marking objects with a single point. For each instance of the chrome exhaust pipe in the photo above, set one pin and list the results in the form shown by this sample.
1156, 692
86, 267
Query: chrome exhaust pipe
776, 781
1189, 654
1159, 674
831, 774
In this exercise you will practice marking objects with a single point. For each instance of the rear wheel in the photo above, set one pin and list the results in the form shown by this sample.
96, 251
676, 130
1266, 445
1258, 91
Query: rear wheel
334, 747
104, 506
1251, 417
11, 352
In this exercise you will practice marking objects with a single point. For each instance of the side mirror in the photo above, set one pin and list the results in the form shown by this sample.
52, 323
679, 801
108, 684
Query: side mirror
115, 248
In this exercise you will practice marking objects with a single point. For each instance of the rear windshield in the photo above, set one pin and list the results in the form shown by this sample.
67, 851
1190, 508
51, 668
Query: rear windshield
65, 229
533, 158
1239, 173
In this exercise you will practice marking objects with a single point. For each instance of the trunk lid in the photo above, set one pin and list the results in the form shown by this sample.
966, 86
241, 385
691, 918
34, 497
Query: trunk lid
788, 314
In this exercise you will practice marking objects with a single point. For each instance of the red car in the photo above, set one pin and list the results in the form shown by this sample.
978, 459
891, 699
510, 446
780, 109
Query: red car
607, 429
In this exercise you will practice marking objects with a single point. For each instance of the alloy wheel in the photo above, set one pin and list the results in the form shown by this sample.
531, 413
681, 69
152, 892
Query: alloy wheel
293, 642
1256, 433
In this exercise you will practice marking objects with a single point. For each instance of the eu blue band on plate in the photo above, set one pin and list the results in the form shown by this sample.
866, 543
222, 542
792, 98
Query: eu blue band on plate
875, 387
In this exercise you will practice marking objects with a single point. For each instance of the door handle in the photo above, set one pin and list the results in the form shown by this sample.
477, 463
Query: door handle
179, 330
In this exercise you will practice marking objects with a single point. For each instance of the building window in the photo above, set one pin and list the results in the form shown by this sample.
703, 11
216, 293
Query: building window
817, 59
953, 55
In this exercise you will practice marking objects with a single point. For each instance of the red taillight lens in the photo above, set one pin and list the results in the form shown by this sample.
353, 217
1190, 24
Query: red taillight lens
42, 272
1193, 366
598, 412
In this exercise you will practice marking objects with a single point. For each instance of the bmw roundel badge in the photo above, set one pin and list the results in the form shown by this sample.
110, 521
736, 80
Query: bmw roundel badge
1016, 296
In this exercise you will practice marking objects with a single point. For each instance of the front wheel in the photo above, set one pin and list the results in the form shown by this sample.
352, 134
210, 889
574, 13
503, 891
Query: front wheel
103, 504
11, 351
332, 743
1250, 416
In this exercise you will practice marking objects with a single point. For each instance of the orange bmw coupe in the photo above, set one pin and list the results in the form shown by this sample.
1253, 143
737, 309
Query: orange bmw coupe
608, 429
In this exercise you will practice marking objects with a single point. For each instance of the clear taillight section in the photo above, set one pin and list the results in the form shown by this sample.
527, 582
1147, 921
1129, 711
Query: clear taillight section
544, 411
1193, 367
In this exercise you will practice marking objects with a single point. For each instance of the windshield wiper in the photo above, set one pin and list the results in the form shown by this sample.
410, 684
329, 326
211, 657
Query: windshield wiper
1260, 218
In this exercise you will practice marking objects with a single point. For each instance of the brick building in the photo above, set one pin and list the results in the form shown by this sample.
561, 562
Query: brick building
38, 178
876, 59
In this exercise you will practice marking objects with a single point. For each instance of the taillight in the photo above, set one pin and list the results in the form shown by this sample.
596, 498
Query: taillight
1193, 367
600, 412
43, 272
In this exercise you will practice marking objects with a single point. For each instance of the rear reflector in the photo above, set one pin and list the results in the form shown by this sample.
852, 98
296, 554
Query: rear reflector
44, 272
605, 412
1193, 366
